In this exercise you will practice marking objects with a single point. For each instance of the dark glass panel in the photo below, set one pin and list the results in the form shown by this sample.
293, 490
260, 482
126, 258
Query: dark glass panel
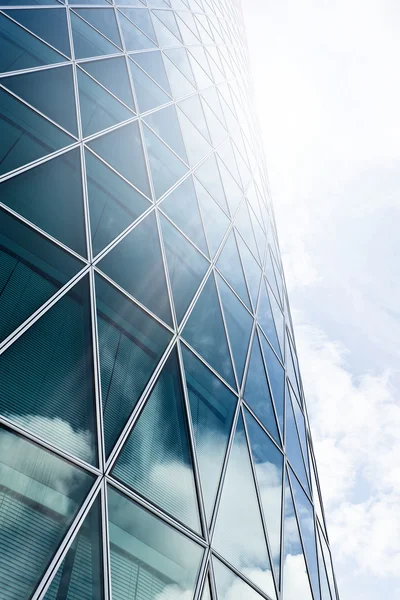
205, 331
268, 462
89, 42
186, 267
80, 574
130, 346
305, 515
32, 269
123, 150
27, 2
21, 50
50, 91
181, 206
47, 377
50, 196
153, 64
149, 559
25, 136
229, 265
40, 495
148, 94
166, 168
230, 586
50, 25
99, 110
165, 123
239, 323
102, 19
113, 203
212, 407
215, 221
256, 392
156, 460
266, 319
292, 443
113, 74
135, 263
276, 376
239, 534
133, 37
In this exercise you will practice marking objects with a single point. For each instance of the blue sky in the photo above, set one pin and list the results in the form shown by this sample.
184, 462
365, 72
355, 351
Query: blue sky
328, 95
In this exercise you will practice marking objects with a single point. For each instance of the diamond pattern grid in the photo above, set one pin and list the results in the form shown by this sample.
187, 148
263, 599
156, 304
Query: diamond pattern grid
146, 376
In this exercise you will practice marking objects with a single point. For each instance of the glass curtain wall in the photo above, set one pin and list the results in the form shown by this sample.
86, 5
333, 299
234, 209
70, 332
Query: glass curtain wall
154, 441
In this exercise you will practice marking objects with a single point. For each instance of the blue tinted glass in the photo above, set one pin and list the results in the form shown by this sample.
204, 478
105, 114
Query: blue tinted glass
141, 18
229, 265
292, 443
256, 392
206, 334
148, 94
40, 496
130, 345
21, 50
215, 221
113, 74
133, 37
165, 123
251, 269
32, 269
50, 196
113, 203
268, 462
197, 146
186, 267
243, 224
239, 324
266, 319
55, 397
87, 41
149, 559
156, 459
135, 263
153, 64
102, 19
212, 407
24, 135
276, 376
208, 175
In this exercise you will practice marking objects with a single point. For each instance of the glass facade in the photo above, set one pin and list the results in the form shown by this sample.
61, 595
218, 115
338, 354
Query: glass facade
154, 441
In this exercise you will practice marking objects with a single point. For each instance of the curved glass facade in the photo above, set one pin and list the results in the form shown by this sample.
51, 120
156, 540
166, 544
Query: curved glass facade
154, 442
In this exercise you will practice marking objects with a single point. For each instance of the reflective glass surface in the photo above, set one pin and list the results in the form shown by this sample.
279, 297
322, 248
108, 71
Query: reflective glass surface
229, 585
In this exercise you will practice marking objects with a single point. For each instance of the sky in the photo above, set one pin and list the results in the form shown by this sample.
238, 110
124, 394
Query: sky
327, 86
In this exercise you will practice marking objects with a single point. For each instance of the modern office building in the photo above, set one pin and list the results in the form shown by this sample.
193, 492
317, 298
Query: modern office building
154, 441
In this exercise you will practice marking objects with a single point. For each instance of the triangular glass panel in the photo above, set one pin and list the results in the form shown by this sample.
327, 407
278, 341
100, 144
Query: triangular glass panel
166, 168
167, 17
41, 494
295, 578
305, 515
251, 269
218, 133
166, 124
206, 595
48, 24
197, 146
28, 2
206, 333
180, 59
113, 75
201, 76
233, 193
243, 225
230, 586
149, 559
215, 221
266, 320
144, 276
328, 564
131, 344
153, 64
113, 203
193, 109
32, 269
269, 271
123, 150
186, 267
301, 428
259, 235
188, 28
148, 94
209, 176
239, 324
50, 196
204, 29
180, 85
141, 18
166, 39
99, 110
279, 322
257, 393
51, 91
290, 362
133, 37
316, 494
25, 136
156, 458
181, 206
229, 265
55, 353
323, 578
103, 19
268, 462
80, 574
210, 95
292, 443
276, 376
21, 50
239, 533
212, 407
87, 41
